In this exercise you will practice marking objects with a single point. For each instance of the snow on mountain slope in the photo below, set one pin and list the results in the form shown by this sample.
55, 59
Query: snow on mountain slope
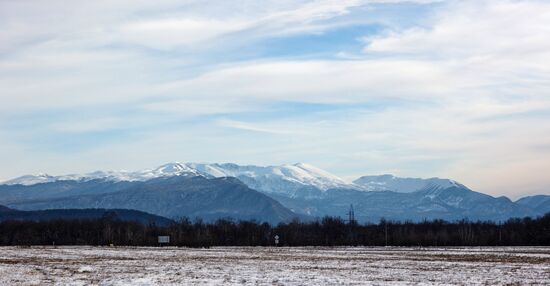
289, 179
403, 185
167, 170
31, 180
300, 173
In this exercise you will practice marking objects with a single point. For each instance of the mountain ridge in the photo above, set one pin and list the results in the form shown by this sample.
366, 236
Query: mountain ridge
173, 197
299, 173
540, 203
7, 214
301, 188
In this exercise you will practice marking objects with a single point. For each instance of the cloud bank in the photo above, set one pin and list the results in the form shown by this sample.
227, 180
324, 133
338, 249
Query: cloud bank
453, 89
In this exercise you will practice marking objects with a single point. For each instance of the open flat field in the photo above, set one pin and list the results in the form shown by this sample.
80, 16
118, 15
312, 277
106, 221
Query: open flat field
274, 266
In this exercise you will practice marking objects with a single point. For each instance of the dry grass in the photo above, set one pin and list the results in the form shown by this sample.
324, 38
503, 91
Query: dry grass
273, 266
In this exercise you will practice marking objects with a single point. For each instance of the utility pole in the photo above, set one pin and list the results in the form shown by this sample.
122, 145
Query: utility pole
386, 231
500, 234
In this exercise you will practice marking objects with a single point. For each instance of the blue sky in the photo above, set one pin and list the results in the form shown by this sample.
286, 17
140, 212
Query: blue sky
455, 89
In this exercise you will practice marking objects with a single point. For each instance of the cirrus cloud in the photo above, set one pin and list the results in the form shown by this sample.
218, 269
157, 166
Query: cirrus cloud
458, 89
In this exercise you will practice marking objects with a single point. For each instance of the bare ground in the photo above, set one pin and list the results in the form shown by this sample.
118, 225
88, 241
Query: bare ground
274, 266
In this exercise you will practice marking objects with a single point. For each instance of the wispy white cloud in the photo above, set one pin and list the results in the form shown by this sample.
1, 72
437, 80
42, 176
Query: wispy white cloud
461, 93
262, 128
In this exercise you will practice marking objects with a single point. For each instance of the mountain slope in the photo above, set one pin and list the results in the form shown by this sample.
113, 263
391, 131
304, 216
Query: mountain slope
402, 185
540, 203
302, 188
5, 209
297, 180
167, 170
299, 173
71, 214
293, 179
58, 189
172, 197
450, 204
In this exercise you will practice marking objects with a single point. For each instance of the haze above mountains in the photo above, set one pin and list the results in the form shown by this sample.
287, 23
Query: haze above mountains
271, 193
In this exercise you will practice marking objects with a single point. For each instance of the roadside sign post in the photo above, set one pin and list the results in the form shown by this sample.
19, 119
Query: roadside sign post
163, 239
276, 240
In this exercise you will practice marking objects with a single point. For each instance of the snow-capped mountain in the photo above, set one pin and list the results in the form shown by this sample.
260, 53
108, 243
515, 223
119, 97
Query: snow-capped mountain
291, 180
301, 188
403, 185
28, 180
167, 170
287, 179
301, 173
169, 196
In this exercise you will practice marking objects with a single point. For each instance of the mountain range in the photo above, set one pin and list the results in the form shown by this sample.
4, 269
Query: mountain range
173, 197
264, 193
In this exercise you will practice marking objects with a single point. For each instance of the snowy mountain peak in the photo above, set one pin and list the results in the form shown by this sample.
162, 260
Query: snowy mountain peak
274, 179
311, 175
389, 182
288, 179
175, 168
30, 179
170, 169
319, 173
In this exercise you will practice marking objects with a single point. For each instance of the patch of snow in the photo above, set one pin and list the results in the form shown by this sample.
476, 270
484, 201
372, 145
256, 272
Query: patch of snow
275, 178
85, 269
167, 170
403, 185
86, 265
31, 180
454, 201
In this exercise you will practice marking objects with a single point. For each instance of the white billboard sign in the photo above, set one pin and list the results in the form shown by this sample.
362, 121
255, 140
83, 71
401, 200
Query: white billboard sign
164, 239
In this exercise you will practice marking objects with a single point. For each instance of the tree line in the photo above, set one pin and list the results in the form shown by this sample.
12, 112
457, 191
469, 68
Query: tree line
328, 231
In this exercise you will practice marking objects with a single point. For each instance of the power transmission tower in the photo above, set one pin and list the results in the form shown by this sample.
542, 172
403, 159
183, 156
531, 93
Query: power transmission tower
351, 224
351, 215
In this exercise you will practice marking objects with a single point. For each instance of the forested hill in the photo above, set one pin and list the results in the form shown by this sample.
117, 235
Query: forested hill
79, 214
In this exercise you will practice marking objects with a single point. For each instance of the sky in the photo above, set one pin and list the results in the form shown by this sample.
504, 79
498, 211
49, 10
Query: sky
452, 89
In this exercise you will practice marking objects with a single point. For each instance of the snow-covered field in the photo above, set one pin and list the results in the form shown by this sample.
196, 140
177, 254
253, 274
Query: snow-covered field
274, 266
